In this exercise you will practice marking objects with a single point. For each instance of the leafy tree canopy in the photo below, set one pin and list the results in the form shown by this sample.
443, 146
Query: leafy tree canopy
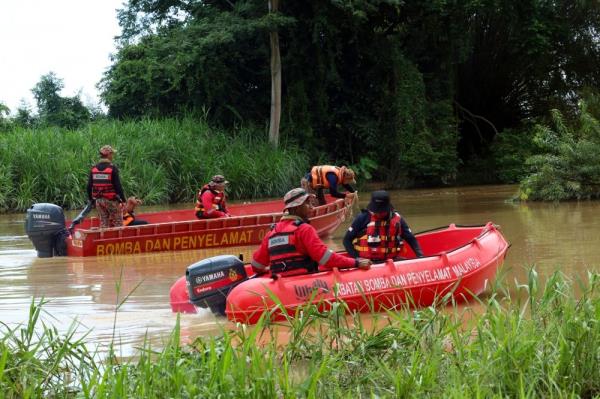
4, 114
54, 110
418, 87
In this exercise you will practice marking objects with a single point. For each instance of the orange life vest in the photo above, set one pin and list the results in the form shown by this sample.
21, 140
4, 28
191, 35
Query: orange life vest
382, 238
128, 217
283, 254
319, 178
102, 184
217, 199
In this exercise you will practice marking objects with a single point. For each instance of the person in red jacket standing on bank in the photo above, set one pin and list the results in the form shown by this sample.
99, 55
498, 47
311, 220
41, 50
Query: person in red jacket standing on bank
211, 202
293, 246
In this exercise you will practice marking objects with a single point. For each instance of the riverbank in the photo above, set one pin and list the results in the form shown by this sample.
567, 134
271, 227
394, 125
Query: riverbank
541, 342
162, 162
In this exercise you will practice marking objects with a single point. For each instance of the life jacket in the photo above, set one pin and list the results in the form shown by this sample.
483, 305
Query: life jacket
102, 184
218, 199
382, 238
283, 253
128, 217
319, 178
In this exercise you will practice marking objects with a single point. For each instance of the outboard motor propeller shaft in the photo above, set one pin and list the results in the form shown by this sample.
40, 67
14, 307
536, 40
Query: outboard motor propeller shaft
45, 226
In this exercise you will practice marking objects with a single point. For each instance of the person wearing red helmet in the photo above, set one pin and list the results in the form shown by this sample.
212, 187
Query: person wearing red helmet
104, 188
293, 245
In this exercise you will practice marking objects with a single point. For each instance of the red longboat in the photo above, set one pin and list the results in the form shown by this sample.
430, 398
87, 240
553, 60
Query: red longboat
181, 230
462, 261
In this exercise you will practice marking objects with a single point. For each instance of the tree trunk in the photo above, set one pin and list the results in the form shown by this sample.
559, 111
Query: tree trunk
275, 81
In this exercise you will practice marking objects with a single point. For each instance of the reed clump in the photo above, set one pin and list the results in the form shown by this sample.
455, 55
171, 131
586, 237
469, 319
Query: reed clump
530, 341
161, 162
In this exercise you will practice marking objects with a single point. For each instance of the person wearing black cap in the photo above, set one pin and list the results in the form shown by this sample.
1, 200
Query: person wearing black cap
211, 201
378, 233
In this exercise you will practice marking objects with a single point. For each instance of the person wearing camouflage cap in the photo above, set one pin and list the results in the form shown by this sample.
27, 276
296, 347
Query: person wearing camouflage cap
106, 151
211, 200
329, 177
104, 188
293, 245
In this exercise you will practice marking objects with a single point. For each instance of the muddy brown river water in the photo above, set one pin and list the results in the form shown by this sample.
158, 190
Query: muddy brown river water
87, 291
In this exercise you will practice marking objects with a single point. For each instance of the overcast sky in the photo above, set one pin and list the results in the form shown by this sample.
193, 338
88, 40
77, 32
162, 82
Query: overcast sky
72, 38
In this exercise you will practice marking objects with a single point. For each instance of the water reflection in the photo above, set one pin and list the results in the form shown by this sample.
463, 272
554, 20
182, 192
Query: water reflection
89, 290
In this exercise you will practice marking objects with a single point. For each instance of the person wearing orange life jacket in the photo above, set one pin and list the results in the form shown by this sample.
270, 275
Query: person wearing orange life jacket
293, 245
329, 177
129, 218
211, 201
104, 188
378, 233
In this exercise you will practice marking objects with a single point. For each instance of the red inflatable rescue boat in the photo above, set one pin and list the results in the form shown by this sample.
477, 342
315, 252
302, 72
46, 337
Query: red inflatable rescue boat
169, 230
460, 261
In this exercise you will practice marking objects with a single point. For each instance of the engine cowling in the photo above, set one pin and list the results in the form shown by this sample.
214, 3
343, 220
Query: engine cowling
210, 280
45, 227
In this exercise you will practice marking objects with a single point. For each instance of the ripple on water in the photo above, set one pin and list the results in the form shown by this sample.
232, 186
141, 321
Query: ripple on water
16, 257
13, 238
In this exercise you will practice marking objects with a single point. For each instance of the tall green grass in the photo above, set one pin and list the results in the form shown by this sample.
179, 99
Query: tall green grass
160, 161
36, 361
540, 342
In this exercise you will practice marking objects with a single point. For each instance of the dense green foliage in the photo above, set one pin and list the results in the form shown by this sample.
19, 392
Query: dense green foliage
540, 342
419, 87
160, 161
430, 92
568, 166
52, 108
510, 151
4, 119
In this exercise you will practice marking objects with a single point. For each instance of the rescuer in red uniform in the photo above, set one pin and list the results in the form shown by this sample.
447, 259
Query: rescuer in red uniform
293, 246
378, 233
211, 201
104, 188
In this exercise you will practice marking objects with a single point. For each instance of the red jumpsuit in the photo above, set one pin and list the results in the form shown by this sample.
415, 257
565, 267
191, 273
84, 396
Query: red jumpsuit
306, 242
211, 204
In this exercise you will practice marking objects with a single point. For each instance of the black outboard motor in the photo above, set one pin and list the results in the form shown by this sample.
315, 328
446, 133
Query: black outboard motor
45, 226
210, 280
